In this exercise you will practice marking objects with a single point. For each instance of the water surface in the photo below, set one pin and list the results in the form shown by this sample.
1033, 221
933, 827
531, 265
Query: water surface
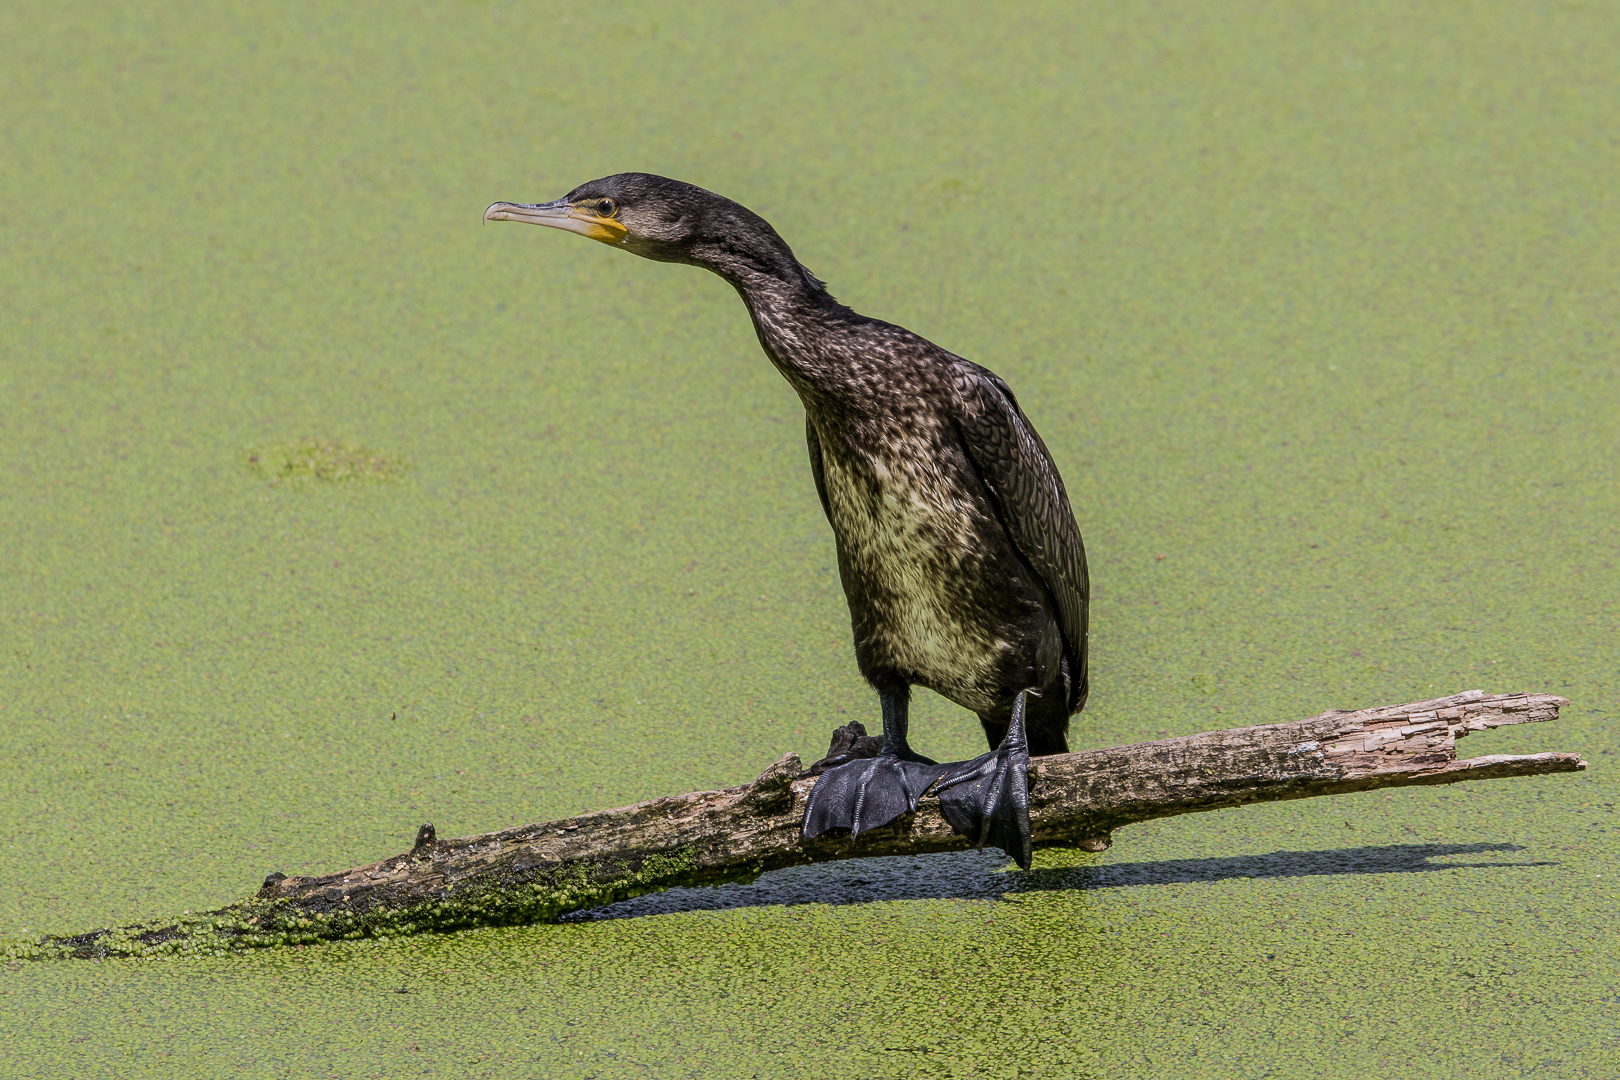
1314, 306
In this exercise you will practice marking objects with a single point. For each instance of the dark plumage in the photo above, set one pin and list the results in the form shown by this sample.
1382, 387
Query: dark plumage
959, 554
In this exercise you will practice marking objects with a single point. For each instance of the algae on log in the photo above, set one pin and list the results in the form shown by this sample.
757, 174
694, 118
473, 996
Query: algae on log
537, 873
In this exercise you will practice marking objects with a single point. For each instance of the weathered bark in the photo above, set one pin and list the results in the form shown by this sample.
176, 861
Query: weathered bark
539, 872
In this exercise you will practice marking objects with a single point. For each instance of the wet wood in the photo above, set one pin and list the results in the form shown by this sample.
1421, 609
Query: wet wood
1077, 799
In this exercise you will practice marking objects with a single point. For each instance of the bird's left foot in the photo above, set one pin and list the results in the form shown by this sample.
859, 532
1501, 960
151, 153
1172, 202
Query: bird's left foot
987, 799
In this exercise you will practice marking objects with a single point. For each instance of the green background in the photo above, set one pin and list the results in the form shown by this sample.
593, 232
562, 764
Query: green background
1314, 304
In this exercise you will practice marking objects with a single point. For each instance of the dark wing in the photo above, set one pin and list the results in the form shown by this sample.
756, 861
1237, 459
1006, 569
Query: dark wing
817, 470
1015, 465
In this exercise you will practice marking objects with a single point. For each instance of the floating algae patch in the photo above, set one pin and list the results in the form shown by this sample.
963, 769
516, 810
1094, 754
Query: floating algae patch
331, 461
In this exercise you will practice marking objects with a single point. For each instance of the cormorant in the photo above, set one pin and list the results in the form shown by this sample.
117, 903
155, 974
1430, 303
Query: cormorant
959, 554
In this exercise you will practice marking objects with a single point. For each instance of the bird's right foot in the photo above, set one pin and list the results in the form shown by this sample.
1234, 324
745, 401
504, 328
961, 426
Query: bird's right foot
868, 793
987, 799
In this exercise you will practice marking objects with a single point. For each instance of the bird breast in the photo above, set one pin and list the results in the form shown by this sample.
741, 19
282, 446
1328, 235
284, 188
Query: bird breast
913, 544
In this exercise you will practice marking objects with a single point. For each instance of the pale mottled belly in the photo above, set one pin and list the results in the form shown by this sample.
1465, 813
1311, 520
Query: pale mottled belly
908, 536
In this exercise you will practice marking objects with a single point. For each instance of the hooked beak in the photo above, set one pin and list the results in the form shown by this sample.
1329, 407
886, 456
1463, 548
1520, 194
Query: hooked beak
560, 215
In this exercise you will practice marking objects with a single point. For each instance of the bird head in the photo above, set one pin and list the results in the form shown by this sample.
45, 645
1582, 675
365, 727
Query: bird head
668, 221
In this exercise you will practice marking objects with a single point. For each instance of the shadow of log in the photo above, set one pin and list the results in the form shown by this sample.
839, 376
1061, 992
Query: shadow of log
971, 875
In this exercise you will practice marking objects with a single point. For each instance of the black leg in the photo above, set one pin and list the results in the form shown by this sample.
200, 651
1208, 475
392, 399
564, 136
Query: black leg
987, 799
868, 793
1046, 722
896, 720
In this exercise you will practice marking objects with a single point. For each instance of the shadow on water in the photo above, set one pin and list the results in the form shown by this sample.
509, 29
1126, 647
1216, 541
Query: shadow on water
973, 875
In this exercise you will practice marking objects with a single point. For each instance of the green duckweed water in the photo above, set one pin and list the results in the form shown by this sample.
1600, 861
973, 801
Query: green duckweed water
1315, 306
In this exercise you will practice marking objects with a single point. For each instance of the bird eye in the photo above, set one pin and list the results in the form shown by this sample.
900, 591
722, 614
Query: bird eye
607, 208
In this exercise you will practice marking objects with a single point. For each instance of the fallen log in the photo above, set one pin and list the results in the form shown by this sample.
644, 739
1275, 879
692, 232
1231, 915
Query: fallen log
539, 872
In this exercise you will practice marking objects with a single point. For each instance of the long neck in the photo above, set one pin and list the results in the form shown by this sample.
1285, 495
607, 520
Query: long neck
791, 310
758, 263
794, 322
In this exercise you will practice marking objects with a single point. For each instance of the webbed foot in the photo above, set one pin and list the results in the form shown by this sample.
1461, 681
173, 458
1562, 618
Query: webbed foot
868, 793
987, 799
